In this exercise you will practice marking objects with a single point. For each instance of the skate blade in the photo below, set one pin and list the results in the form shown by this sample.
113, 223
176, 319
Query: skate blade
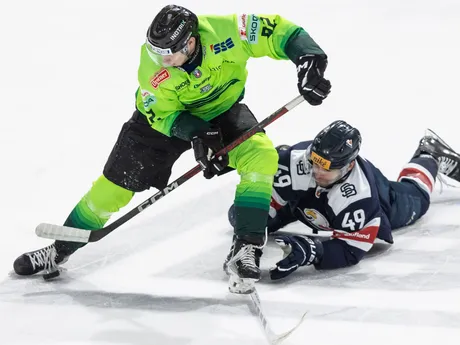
432, 134
239, 285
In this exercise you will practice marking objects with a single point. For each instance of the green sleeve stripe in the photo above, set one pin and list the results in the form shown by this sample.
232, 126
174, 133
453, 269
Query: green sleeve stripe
301, 43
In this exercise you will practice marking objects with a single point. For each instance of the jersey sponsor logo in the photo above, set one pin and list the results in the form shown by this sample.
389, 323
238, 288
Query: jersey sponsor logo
253, 29
215, 68
301, 170
201, 83
146, 93
222, 46
212, 96
159, 77
182, 85
357, 234
242, 23
205, 88
322, 162
147, 98
348, 190
362, 239
149, 101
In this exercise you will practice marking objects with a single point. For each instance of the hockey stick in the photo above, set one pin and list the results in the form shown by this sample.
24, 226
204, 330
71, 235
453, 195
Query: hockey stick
272, 337
65, 233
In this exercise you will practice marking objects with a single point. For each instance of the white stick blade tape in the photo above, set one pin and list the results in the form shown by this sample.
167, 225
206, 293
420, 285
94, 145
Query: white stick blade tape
62, 233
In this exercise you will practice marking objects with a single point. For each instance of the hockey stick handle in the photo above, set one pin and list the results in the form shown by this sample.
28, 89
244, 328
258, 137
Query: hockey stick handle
72, 234
192, 172
264, 123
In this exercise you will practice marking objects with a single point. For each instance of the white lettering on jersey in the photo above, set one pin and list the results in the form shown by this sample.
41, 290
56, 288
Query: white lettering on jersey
282, 178
362, 239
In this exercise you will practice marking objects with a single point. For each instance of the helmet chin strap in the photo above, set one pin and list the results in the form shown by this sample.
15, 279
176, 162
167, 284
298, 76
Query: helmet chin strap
191, 55
343, 177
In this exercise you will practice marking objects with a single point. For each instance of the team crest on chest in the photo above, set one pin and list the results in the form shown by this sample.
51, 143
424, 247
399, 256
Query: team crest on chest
197, 73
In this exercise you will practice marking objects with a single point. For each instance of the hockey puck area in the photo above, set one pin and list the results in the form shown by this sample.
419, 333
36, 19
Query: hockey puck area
51, 275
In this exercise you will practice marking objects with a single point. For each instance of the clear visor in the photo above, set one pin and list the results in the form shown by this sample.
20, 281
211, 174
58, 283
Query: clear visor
324, 177
165, 57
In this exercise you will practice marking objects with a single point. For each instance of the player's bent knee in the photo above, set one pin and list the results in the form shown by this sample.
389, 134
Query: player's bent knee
106, 196
255, 155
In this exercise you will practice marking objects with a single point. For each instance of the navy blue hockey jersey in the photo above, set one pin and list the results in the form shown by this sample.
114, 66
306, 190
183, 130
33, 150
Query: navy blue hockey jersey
354, 211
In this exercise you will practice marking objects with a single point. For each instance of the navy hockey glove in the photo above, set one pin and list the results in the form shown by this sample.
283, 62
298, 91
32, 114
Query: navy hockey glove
205, 144
298, 251
312, 85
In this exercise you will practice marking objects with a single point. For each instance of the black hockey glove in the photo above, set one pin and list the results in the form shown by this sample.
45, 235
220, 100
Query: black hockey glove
298, 251
205, 144
312, 85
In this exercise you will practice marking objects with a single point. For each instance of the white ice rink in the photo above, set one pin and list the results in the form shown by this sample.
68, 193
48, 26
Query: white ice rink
68, 75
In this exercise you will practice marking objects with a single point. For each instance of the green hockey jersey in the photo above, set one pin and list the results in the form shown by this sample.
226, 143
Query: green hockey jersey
214, 86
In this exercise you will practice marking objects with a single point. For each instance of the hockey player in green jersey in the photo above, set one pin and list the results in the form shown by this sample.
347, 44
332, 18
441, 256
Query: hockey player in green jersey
192, 77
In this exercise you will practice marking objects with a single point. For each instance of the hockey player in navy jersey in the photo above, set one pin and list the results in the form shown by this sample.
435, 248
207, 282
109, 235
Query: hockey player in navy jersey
326, 185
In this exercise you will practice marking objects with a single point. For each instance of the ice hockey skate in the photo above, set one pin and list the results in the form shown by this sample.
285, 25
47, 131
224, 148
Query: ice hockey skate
46, 260
242, 263
447, 158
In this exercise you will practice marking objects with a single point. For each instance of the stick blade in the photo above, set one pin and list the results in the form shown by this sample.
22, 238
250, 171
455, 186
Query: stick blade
62, 233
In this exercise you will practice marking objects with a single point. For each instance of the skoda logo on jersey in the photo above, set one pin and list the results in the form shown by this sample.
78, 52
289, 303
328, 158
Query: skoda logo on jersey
313, 216
197, 73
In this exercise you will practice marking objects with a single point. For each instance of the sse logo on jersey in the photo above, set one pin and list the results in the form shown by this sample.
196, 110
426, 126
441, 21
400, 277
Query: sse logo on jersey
222, 46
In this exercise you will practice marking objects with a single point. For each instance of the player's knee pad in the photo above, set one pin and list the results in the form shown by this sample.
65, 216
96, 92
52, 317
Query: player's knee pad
255, 155
105, 197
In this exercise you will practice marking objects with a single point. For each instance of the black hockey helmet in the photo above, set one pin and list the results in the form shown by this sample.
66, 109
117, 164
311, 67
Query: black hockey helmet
336, 145
282, 147
171, 28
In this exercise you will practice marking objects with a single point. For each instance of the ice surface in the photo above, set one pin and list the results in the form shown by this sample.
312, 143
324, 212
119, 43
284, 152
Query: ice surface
68, 76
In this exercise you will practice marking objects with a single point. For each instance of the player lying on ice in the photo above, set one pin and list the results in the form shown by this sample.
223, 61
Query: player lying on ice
326, 185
